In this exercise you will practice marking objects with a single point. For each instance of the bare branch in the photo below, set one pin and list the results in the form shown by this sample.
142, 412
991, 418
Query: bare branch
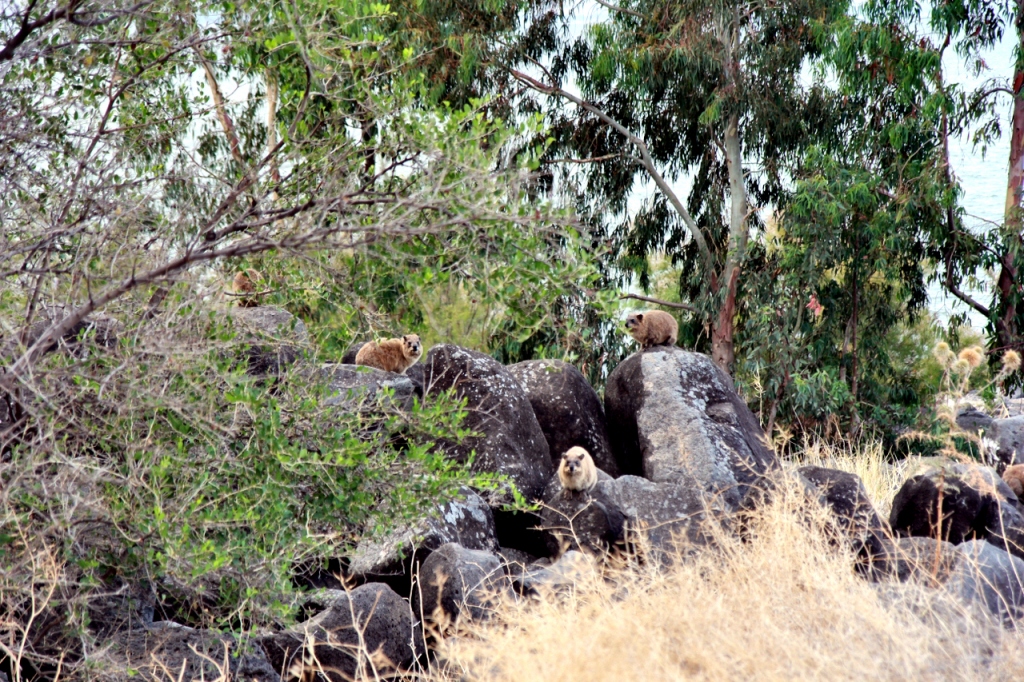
620, 9
645, 154
667, 304
594, 159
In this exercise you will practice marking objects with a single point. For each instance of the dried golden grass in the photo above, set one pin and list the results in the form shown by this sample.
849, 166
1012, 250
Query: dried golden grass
784, 605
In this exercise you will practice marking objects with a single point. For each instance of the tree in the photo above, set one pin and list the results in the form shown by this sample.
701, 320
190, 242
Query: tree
149, 152
690, 88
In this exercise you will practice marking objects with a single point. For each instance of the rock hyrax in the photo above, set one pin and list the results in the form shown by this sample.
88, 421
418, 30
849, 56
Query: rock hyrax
391, 355
653, 328
1014, 477
244, 288
577, 470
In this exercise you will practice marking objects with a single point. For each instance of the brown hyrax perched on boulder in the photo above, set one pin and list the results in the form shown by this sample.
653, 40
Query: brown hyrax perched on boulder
1014, 477
244, 288
577, 470
391, 355
653, 328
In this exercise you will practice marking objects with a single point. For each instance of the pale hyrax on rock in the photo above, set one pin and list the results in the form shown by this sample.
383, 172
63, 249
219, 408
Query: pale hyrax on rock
577, 470
653, 328
391, 355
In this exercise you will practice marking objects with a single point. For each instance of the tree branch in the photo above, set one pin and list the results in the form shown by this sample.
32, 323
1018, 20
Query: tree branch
645, 155
29, 27
668, 304
620, 9
222, 112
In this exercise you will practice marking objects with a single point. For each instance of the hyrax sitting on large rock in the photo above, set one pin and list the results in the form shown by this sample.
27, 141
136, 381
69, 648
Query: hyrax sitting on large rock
653, 328
391, 355
577, 470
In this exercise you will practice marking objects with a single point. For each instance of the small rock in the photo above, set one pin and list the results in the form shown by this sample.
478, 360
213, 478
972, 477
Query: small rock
571, 570
972, 419
988, 574
467, 521
581, 520
330, 645
354, 388
965, 512
919, 559
670, 517
844, 493
455, 582
191, 654
274, 336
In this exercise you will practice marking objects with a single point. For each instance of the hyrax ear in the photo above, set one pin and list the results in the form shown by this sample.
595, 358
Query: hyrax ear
639, 317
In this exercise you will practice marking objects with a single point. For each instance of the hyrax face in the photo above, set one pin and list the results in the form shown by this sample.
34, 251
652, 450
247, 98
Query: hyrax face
573, 461
634, 321
412, 346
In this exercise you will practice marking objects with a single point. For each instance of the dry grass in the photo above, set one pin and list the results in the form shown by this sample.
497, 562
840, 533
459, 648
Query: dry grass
785, 605
881, 478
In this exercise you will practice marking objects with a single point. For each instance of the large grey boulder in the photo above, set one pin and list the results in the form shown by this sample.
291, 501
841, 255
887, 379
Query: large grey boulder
670, 517
512, 442
467, 521
1009, 437
988, 575
457, 583
568, 409
354, 388
275, 338
673, 417
334, 644
166, 650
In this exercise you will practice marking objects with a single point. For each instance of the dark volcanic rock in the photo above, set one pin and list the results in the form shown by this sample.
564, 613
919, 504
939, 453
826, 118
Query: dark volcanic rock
171, 651
513, 442
673, 417
976, 504
467, 521
455, 582
846, 496
576, 520
354, 387
275, 337
670, 516
330, 643
965, 512
568, 409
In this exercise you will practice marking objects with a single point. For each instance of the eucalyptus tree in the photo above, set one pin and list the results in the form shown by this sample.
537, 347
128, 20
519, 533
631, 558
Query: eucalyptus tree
709, 92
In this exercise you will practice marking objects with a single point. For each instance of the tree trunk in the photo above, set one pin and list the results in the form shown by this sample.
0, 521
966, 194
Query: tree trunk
723, 351
1010, 305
